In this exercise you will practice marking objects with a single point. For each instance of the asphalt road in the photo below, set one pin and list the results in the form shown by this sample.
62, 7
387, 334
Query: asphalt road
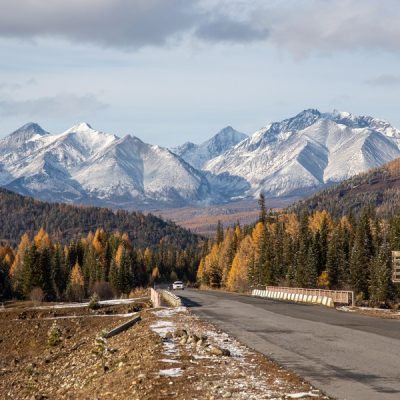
348, 356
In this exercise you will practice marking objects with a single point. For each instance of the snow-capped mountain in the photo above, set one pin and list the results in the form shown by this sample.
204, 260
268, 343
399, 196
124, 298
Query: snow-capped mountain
198, 155
293, 157
308, 151
84, 165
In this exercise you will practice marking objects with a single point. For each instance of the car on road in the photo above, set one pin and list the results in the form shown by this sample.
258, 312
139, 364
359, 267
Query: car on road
177, 285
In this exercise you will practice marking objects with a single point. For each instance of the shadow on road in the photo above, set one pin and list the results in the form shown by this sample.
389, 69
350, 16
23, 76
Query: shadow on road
189, 303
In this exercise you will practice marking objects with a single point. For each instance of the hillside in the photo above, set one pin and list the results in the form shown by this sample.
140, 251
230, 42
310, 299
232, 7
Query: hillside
380, 188
19, 214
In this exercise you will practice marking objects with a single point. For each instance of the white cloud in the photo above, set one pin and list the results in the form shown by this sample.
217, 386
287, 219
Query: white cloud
61, 105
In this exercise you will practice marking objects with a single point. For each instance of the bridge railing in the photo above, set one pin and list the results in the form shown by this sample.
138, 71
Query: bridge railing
338, 296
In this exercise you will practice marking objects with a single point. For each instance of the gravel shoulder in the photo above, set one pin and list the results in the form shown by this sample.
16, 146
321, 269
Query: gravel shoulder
170, 353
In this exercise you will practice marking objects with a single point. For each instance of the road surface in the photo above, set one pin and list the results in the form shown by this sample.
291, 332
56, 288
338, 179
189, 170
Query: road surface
346, 355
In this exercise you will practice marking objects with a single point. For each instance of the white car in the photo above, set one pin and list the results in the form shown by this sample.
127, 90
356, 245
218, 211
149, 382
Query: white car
177, 285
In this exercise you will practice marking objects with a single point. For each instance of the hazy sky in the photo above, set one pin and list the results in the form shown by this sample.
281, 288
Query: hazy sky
170, 71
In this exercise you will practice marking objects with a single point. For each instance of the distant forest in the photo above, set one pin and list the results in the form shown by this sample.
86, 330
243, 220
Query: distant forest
308, 249
63, 222
65, 252
378, 188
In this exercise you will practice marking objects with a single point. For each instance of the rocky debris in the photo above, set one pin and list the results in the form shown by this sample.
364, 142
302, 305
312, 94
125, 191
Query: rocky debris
185, 337
145, 362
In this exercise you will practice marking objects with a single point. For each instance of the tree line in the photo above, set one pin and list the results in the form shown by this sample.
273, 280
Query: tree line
105, 263
65, 222
308, 249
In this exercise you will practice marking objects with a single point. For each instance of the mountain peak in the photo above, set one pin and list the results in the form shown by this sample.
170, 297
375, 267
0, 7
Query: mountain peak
197, 155
27, 132
31, 127
81, 126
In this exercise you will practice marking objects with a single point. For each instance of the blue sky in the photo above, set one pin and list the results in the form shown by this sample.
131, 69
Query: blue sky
170, 71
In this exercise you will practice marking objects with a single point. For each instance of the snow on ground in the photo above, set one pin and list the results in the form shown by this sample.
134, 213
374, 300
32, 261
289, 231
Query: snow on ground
301, 395
222, 339
162, 327
169, 312
127, 315
171, 372
113, 302
369, 310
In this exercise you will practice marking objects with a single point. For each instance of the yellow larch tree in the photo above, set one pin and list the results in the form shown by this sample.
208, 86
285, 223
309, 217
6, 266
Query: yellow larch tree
318, 218
242, 263
16, 266
42, 239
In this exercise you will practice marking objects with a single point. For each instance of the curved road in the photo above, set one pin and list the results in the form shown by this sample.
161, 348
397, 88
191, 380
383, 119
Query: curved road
346, 355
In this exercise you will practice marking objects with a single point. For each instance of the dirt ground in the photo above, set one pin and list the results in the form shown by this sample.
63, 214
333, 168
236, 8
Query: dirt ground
169, 354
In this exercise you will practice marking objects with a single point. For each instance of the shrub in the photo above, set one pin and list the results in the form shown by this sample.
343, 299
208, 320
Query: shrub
138, 292
94, 302
103, 290
36, 295
54, 335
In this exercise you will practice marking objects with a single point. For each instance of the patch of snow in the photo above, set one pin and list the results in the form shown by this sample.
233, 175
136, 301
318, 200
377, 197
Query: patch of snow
171, 372
85, 304
127, 315
223, 340
345, 309
169, 312
301, 395
163, 327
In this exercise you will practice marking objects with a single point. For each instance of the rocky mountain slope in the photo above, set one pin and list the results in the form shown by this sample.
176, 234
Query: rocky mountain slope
83, 165
308, 152
294, 157
198, 155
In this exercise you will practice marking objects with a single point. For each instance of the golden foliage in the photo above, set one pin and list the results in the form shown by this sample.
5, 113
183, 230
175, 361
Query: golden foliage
6, 255
147, 256
200, 270
211, 260
238, 274
292, 224
23, 244
98, 247
258, 232
76, 275
42, 239
155, 274
318, 218
345, 223
323, 280
225, 254
118, 254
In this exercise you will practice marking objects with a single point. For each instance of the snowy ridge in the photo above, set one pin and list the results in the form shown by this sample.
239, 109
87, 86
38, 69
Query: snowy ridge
293, 157
83, 165
308, 152
197, 155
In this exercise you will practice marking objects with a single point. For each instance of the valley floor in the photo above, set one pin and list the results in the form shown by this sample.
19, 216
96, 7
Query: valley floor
155, 359
204, 220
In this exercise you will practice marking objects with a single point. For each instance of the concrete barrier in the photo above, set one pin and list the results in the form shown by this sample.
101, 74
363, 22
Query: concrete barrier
296, 297
314, 299
155, 298
170, 298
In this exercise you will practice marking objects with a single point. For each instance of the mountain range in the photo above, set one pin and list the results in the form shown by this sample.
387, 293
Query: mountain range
294, 157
